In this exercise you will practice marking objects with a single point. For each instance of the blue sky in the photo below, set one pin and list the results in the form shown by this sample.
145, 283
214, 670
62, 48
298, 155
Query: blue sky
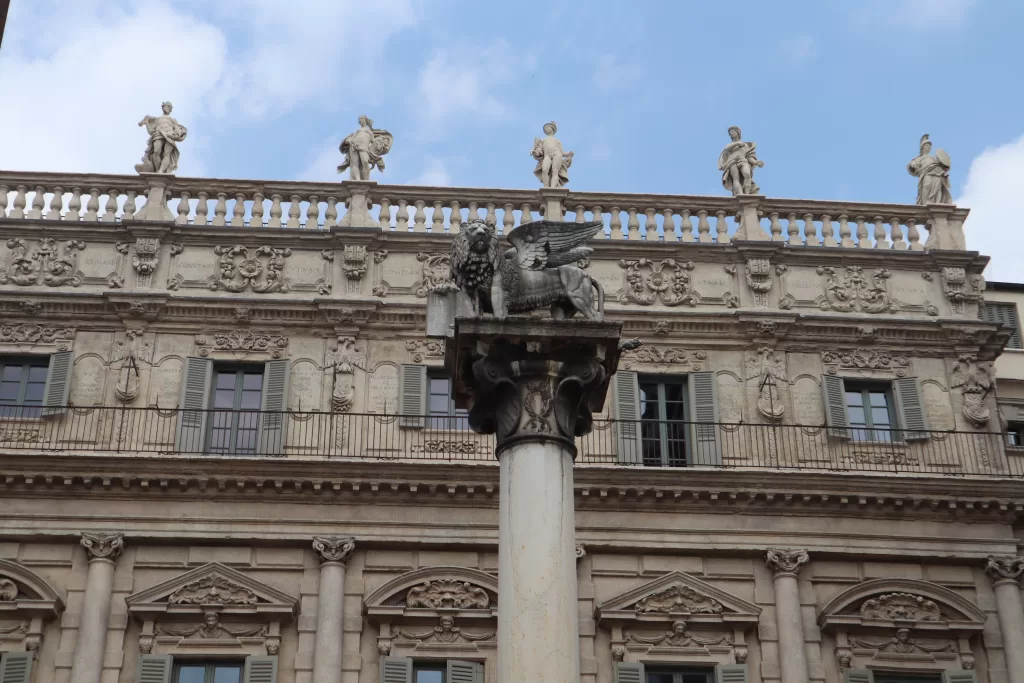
835, 93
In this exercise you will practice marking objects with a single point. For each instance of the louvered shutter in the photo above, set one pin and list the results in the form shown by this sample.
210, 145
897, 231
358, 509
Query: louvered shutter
260, 670
273, 404
464, 672
1006, 315
412, 395
731, 673
16, 667
911, 408
705, 444
58, 383
858, 676
627, 416
959, 676
395, 670
195, 397
155, 669
833, 393
629, 672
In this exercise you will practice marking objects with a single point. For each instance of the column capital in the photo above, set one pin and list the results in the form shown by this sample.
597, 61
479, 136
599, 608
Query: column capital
334, 548
581, 551
103, 546
1004, 568
786, 561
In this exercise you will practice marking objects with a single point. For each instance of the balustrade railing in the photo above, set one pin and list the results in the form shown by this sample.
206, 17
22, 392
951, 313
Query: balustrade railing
381, 437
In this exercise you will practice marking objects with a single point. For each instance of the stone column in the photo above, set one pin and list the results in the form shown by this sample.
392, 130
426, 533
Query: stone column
330, 610
91, 647
786, 564
1005, 573
534, 384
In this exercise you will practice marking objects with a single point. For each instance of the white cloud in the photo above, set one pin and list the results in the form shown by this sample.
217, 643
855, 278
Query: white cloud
611, 74
461, 83
992, 193
435, 174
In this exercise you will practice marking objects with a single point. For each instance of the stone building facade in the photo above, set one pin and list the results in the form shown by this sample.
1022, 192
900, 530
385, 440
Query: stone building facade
227, 440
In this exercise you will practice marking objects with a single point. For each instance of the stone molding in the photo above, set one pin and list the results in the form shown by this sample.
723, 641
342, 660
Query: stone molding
786, 561
333, 549
429, 592
1005, 568
103, 546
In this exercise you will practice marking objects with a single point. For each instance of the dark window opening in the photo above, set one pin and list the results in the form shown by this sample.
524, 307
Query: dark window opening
22, 382
682, 675
1015, 434
207, 672
870, 411
441, 405
894, 677
235, 405
663, 427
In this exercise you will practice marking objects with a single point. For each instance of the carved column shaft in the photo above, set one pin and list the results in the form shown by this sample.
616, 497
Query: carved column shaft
103, 550
786, 566
1005, 573
330, 614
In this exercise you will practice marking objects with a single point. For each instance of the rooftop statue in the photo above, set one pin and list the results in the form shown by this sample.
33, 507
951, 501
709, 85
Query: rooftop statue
932, 174
552, 162
161, 155
365, 149
737, 162
536, 272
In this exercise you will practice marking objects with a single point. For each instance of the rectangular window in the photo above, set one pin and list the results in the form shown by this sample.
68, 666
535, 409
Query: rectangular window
208, 672
883, 677
1005, 314
235, 404
870, 410
683, 675
441, 404
428, 672
663, 413
22, 381
1015, 434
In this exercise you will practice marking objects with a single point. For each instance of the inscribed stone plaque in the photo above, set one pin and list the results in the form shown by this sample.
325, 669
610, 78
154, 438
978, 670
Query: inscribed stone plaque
165, 384
304, 267
440, 313
910, 288
710, 281
382, 389
305, 381
609, 276
401, 270
804, 284
937, 405
807, 402
730, 397
87, 382
98, 260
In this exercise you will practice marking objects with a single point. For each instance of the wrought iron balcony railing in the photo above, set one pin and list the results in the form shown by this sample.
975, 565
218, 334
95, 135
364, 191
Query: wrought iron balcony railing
416, 438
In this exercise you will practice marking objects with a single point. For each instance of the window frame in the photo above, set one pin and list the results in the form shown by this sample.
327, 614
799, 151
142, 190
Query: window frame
240, 370
1014, 434
455, 418
677, 671
663, 440
26, 363
207, 663
907, 676
987, 312
430, 665
869, 430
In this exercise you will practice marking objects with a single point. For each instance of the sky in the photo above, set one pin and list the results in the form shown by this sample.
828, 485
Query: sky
836, 93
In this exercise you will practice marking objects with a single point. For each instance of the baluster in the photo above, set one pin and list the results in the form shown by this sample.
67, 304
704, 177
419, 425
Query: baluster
293, 211
650, 225
912, 234
703, 228
419, 221
276, 211
845, 232
491, 218
897, 235
110, 210
437, 219
775, 227
508, 218
474, 213
92, 207
402, 216
455, 218
238, 210
881, 241
331, 215
811, 231
313, 213
129, 206
722, 228
668, 226
38, 202
18, 211
597, 214
827, 231
793, 228
385, 214
56, 203
685, 227
220, 209
256, 215
183, 208
580, 212
202, 209
527, 214
632, 225
3, 200
862, 233
615, 223
74, 205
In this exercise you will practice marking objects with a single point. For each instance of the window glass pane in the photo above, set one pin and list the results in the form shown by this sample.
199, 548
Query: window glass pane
854, 398
439, 405
225, 380
224, 398
9, 391
856, 416
659, 677
880, 417
252, 381
228, 674
439, 385
250, 400
11, 373
673, 393
697, 677
34, 393
429, 676
191, 674
878, 399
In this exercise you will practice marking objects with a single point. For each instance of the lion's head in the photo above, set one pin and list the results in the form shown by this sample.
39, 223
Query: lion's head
474, 254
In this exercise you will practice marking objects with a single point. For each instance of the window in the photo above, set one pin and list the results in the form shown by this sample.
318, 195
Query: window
883, 677
208, 672
235, 420
428, 672
1015, 434
441, 404
663, 412
870, 411
22, 381
1006, 314
687, 675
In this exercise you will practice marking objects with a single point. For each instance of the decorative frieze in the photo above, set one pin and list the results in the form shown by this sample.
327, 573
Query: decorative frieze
665, 282
243, 340
900, 607
859, 359
446, 632
855, 291
425, 348
213, 590
975, 381
678, 599
46, 264
688, 360
447, 594
211, 627
679, 636
903, 643
241, 269
34, 334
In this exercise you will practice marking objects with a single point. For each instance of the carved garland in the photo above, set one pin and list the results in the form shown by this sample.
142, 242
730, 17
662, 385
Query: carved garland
855, 291
241, 269
691, 360
835, 361
47, 264
665, 282
447, 594
213, 590
243, 340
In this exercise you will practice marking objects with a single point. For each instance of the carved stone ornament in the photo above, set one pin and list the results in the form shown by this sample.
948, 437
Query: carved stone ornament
47, 264
447, 594
758, 275
845, 360
975, 382
353, 262
34, 334
686, 359
8, 590
32, 308
334, 549
955, 287
446, 632
436, 275
678, 636
900, 607
553, 162
581, 551
126, 356
770, 373
243, 340
903, 643
145, 259
103, 546
856, 292
665, 282
211, 627
342, 360
1005, 568
213, 590
786, 560
240, 269
425, 348
678, 599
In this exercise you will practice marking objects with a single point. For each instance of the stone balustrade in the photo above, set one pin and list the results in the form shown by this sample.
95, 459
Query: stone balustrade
644, 217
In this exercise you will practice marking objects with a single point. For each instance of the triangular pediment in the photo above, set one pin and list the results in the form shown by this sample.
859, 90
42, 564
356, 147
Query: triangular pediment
677, 595
213, 585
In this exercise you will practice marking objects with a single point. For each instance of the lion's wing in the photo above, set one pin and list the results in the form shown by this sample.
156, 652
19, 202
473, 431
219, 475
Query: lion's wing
548, 244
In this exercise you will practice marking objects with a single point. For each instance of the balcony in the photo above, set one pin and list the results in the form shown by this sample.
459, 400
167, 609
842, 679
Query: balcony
380, 438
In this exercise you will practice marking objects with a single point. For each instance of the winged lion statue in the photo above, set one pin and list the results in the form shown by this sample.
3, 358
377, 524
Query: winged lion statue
537, 271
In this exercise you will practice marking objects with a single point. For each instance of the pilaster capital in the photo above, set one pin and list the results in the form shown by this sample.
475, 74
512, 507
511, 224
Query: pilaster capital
334, 548
786, 561
103, 546
1004, 568
581, 551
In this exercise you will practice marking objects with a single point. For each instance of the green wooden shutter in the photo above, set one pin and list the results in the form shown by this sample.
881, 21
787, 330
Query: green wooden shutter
154, 669
858, 676
260, 670
464, 672
195, 397
833, 392
959, 676
412, 395
731, 673
58, 383
911, 408
627, 414
706, 444
629, 672
16, 667
395, 670
273, 404
1006, 315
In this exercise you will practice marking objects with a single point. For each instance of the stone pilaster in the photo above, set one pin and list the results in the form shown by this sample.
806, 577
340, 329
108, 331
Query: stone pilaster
1005, 573
103, 550
330, 612
786, 563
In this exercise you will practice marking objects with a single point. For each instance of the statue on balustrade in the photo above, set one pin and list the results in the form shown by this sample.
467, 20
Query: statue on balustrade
932, 174
364, 150
161, 155
538, 271
737, 163
552, 162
